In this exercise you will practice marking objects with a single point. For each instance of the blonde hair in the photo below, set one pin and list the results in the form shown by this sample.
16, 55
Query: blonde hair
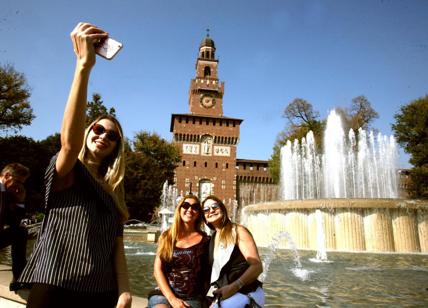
169, 238
112, 168
226, 234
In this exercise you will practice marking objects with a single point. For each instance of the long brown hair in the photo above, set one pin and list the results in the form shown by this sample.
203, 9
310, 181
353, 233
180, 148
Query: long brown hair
169, 237
112, 168
226, 235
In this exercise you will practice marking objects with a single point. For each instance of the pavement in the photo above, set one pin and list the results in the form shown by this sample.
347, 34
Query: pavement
18, 300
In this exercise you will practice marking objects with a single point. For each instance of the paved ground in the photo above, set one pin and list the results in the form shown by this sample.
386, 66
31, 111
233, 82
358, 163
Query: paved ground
11, 300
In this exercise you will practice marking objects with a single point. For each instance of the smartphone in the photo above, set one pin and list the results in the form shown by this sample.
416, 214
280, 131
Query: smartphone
109, 48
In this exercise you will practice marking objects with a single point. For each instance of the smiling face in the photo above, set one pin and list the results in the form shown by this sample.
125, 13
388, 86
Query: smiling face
213, 213
100, 140
190, 210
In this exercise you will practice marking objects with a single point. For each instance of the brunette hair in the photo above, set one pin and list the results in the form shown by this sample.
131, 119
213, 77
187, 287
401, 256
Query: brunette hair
16, 169
226, 234
112, 168
169, 237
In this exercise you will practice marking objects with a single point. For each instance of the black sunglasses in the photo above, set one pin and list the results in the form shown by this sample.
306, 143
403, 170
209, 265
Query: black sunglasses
112, 135
195, 206
213, 207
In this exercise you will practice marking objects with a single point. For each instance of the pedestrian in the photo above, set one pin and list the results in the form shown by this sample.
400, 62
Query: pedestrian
79, 260
12, 210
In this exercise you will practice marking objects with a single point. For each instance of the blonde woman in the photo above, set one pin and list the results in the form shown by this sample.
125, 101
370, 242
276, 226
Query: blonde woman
180, 266
234, 260
79, 260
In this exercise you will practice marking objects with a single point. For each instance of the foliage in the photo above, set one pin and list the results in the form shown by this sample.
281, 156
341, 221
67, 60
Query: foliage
302, 118
360, 115
96, 108
15, 109
411, 131
33, 155
52, 144
152, 162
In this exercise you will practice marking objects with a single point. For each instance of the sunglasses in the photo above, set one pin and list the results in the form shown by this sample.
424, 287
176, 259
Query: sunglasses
112, 135
195, 206
213, 207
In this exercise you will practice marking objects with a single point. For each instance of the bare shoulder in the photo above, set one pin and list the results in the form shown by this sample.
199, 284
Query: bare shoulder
243, 232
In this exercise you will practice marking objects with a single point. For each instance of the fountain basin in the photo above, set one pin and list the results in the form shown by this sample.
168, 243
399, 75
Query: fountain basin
351, 225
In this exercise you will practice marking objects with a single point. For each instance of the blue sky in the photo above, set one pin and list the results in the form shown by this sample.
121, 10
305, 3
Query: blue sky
270, 52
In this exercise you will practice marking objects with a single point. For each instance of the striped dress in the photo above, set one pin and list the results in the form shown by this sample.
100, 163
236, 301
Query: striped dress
74, 249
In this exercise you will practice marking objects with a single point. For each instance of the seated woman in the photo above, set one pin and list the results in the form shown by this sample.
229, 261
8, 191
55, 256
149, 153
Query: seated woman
234, 259
180, 265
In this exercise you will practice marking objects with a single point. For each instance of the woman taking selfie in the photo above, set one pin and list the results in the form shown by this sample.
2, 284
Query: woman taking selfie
79, 260
234, 259
181, 261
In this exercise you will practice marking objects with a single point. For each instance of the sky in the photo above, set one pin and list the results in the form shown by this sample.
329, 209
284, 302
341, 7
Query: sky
270, 52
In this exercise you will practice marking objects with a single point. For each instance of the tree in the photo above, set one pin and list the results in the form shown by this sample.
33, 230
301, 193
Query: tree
148, 166
33, 155
52, 144
302, 118
15, 109
96, 108
411, 131
362, 113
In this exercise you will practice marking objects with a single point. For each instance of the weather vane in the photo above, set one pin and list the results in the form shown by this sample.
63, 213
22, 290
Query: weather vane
208, 32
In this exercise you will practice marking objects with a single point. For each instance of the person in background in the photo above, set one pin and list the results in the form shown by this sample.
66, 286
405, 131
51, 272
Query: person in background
12, 211
234, 260
79, 260
180, 265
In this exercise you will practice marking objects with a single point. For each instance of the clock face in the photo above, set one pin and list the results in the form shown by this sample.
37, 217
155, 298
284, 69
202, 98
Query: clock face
207, 101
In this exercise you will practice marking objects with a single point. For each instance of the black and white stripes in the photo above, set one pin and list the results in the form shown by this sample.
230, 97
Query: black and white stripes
75, 246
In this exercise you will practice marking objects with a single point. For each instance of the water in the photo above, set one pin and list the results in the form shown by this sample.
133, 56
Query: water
346, 280
349, 280
361, 165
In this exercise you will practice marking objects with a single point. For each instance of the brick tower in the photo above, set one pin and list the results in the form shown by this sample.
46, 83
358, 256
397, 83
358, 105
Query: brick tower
207, 140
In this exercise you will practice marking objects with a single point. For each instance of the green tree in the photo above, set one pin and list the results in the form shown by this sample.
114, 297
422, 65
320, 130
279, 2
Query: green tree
52, 144
33, 155
15, 108
96, 108
151, 162
411, 131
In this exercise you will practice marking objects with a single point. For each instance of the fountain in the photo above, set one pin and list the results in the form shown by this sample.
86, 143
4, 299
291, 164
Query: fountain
168, 203
349, 191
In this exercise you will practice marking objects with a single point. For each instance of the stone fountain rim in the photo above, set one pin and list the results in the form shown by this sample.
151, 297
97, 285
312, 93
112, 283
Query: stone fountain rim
330, 203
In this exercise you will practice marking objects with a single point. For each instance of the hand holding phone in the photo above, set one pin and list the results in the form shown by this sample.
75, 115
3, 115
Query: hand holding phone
109, 48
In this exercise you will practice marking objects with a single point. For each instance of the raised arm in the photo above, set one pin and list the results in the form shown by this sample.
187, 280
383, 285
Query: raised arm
84, 36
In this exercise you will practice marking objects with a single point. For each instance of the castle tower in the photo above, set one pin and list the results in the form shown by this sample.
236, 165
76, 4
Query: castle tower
207, 140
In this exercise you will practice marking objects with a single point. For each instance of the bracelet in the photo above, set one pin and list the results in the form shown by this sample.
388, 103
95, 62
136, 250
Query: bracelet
239, 283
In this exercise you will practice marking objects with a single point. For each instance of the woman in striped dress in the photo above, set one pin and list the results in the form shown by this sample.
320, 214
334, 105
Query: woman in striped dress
79, 260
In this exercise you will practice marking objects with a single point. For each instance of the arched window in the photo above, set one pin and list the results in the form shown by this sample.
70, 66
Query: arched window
207, 71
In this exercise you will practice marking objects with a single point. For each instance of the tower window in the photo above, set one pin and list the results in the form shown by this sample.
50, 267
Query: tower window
207, 71
194, 164
227, 165
184, 163
216, 165
206, 164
